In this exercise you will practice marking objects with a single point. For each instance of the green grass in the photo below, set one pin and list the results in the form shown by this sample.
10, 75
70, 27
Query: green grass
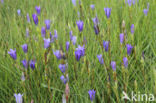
88, 73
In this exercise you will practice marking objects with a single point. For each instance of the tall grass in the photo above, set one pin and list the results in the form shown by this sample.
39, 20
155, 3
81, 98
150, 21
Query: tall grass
87, 73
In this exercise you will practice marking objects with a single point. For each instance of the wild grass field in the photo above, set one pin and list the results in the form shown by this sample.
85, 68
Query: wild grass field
77, 51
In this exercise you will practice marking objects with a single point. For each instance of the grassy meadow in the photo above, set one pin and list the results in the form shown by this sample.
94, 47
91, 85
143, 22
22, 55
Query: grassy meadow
88, 63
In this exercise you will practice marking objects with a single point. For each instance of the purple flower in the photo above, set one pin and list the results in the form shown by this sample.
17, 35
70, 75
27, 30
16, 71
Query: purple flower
74, 2
62, 67
113, 65
63, 79
106, 45
107, 12
133, 2
145, 11
92, 6
147, 5
2, 1
57, 53
55, 34
125, 62
132, 29
35, 18
79, 52
43, 32
80, 25
25, 63
18, 98
27, 32
32, 64
67, 45
74, 39
129, 2
51, 38
129, 49
71, 35
46, 43
25, 48
19, 12
12, 53
28, 18
38, 9
100, 58
47, 23
92, 94
95, 21
96, 30
121, 38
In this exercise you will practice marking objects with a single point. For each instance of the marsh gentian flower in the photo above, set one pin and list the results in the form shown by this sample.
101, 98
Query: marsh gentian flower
46, 43
74, 39
148, 6
74, 2
62, 67
18, 98
35, 18
113, 65
125, 62
100, 58
129, 2
38, 9
145, 11
79, 52
2, 1
67, 45
51, 38
12, 53
19, 12
92, 6
32, 64
25, 63
55, 34
96, 30
47, 23
57, 53
63, 79
106, 45
107, 12
25, 48
132, 29
129, 49
80, 25
28, 18
121, 38
43, 32
71, 35
95, 21
92, 94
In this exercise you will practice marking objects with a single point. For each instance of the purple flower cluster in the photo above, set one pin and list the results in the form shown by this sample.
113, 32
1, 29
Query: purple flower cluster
79, 52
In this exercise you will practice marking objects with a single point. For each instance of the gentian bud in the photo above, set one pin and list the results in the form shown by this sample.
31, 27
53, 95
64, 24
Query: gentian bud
43, 32
129, 49
35, 18
100, 58
80, 25
25, 48
113, 65
125, 62
47, 23
38, 9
